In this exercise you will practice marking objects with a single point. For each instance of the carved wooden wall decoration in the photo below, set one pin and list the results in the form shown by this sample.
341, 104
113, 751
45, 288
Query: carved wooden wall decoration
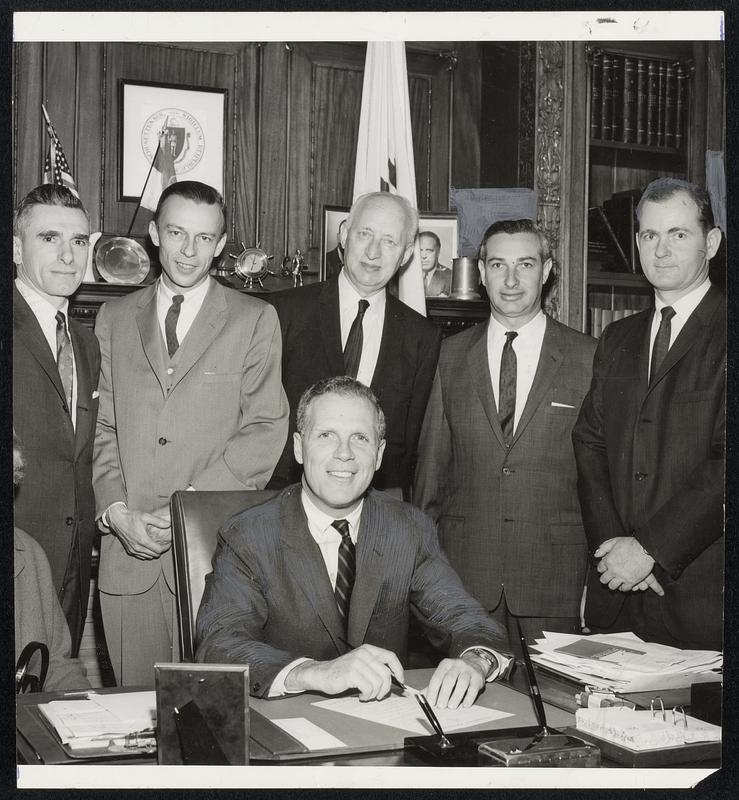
527, 114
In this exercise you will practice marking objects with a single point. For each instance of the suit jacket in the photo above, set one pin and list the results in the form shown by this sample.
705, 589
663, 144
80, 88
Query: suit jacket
311, 350
508, 516
651, 464
440, 283
221, 425
55, 503
39, 617
269, 599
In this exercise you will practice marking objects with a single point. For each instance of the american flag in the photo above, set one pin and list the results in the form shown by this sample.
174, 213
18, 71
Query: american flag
56, 168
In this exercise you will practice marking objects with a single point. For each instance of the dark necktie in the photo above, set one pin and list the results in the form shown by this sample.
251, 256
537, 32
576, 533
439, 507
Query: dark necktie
661, 342
170, 324
346, 569
64, 358
353, 349
507, 387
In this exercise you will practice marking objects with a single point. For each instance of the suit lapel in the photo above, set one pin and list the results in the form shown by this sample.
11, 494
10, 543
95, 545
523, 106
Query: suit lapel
308, 570
84, 389
29, 331
550, 360
150, 333
391, 342
370, 572
206, 326
330, 325
477, 362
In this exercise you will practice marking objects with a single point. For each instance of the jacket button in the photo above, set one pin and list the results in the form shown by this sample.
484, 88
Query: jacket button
69, 520
506, 470
640, 476
162, 440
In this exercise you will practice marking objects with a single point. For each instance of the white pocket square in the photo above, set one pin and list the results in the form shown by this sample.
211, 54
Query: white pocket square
95, 394
561, 405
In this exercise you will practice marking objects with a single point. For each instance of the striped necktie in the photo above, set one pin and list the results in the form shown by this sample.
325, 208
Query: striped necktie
64, 358
346, 570
170, 324
507, 387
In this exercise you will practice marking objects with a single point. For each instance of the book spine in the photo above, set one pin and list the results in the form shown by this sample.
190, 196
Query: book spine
670, 104
680, 105
661, 103
628, 134
617, 101
596, 96
606, 124
641, 101
652, 90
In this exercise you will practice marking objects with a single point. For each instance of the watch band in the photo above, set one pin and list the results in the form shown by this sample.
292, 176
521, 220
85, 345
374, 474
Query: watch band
487, 657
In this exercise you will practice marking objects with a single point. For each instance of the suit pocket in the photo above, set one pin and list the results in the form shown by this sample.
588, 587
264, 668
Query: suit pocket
221, 377
561, 411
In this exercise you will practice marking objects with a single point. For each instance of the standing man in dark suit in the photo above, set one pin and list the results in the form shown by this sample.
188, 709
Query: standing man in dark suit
190, 398
313, 589
496, 467
56, 362
650, 438
437, 279
352, 325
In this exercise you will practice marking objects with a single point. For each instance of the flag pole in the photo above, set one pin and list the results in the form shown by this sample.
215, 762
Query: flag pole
148, 175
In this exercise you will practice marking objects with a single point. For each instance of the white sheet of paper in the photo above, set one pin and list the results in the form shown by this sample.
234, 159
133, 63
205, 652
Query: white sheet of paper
403, 712
308, 733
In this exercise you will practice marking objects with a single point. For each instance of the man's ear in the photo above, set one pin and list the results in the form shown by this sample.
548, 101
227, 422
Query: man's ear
17, 250
298, 447
221, 244
481, 269
380, 451
154, 233
343, 233
546, 269
713, 242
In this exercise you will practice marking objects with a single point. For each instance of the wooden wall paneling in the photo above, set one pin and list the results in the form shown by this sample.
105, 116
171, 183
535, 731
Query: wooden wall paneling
422, 104
247, 140
89, 153
169, 64
466, 122
29, 130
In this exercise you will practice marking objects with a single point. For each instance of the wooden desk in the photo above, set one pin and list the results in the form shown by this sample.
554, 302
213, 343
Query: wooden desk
37, 745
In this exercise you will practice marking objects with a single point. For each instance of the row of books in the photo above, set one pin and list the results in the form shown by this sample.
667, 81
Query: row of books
601, 318
638, 100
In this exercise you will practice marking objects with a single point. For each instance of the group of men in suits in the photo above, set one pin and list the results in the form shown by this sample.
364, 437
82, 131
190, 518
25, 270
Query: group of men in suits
200, 388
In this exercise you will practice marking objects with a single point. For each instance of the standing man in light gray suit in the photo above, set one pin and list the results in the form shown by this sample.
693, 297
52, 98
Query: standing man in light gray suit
314, 589
190, 398
496, 465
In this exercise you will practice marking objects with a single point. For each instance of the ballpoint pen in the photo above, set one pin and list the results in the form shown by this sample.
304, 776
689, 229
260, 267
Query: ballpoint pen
444, 743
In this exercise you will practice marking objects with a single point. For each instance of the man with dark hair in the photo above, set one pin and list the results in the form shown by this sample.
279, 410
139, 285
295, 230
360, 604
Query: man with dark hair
190, 398
649, 441
495, 465
352, 325
437, 279
314, 589
56, 362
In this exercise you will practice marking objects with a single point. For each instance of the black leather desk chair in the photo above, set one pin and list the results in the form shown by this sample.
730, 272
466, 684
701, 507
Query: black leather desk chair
196, 518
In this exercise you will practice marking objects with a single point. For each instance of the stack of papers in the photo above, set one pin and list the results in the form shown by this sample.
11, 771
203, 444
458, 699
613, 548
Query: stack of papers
99, 720
624, 662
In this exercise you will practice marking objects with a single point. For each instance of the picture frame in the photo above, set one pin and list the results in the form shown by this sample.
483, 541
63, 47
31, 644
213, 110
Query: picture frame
446, 227
332, 218
195, 115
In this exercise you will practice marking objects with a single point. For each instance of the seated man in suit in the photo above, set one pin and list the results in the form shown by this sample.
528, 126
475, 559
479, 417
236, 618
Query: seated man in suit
437, 279
314, 589
351, 325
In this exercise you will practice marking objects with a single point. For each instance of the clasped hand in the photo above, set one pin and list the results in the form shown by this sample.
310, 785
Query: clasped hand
624, 565
370, 669
142, 534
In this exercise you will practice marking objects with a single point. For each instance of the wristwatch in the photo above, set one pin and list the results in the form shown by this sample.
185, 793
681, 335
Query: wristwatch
487, 657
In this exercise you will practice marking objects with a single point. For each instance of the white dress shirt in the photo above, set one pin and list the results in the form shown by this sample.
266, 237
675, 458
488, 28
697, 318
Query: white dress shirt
188, 310
527, 347
683, 308
372, 324
45, 313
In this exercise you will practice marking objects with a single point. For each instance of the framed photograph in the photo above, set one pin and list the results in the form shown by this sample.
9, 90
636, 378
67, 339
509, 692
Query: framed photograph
438, 236
331, 254
192, 121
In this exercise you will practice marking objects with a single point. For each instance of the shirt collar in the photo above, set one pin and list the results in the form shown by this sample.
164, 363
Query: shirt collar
323, 521
349, 296
194, 296
687, 304
532, 328
40, 306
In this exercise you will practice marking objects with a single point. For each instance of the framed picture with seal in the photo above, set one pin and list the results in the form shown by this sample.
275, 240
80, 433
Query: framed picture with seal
169, 132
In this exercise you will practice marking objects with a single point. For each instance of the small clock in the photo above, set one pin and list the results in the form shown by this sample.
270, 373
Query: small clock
252, 266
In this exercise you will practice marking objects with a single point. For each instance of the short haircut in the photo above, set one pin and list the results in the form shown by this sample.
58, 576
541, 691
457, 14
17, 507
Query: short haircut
663, 189
431, 235
410, 213
344, 386
197, 192
48, 194
512, 226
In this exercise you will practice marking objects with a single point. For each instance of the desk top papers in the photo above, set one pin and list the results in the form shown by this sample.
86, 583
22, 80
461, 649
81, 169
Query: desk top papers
624, 663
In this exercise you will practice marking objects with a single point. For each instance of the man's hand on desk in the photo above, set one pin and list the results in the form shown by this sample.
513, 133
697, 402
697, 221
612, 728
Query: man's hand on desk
368, 669
626, 566
143, 535
457, 682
